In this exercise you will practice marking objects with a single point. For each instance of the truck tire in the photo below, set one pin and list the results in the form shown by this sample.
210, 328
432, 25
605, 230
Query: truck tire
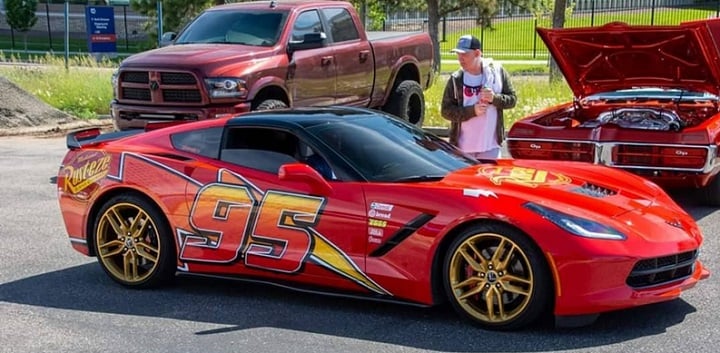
407, 102
270, 104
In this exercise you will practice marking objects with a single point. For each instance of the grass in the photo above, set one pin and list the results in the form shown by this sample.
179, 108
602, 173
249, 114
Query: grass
515, 38
82, 90
534, 94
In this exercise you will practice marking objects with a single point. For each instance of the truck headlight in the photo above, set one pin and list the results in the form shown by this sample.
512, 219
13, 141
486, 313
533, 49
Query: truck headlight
226, 87
576, 225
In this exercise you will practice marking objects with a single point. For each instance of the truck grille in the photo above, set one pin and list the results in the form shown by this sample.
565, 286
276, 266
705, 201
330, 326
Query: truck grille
182, 95
141, 94
160, 87
660, 270
177, 78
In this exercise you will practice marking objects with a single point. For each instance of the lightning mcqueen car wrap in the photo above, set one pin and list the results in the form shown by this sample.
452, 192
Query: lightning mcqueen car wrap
356, 202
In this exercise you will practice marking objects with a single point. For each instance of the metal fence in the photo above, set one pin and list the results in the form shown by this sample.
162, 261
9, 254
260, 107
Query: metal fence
511, 34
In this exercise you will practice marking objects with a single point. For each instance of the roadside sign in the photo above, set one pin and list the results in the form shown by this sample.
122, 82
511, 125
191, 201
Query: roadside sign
100, 22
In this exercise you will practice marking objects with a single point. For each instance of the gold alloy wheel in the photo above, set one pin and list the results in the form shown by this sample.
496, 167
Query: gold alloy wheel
128, 243
491, 278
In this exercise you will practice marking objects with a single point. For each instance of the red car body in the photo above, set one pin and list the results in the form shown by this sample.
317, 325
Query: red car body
389, 234
645, 100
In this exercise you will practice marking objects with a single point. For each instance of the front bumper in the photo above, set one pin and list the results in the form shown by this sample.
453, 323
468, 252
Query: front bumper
133, 116
587, 287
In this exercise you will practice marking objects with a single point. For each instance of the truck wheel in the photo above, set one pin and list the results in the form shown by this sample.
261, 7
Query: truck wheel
270, 104
407, 102
712, 192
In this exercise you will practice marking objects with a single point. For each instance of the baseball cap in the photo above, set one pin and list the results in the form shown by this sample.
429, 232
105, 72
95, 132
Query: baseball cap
466, 43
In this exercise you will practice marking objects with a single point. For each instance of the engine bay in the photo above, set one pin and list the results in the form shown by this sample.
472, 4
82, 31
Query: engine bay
656, 115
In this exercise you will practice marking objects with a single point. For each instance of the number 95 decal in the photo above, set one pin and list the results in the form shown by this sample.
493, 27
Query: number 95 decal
274, 233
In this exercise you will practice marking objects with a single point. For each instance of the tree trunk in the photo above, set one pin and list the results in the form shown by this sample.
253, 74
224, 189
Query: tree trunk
433, 25
558, 21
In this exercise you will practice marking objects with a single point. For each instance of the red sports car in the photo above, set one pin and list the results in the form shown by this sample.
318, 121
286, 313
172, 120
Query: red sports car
352, 201
646, 100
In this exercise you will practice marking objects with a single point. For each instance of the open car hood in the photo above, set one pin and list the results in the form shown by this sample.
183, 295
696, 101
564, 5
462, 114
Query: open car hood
619, 56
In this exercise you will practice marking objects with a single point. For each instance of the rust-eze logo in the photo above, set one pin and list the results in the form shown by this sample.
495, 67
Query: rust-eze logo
85, 170
524, 176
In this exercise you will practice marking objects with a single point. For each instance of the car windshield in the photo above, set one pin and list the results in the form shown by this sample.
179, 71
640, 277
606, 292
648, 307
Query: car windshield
384, 149
651, 93
257, 28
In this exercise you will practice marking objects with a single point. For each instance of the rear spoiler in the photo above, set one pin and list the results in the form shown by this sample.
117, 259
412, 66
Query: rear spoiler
90, 136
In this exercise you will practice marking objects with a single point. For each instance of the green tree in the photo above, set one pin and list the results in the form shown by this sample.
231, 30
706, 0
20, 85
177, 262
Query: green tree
176, 13
438, 9
21, 16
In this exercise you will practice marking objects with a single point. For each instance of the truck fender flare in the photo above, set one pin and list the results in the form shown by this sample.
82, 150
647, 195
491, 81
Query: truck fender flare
405, 67
269, 81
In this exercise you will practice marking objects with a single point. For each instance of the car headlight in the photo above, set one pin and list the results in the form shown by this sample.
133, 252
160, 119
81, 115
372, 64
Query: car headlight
576, 225
226, 87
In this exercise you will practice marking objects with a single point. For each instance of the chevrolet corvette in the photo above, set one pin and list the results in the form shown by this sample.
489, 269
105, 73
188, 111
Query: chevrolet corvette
354, 202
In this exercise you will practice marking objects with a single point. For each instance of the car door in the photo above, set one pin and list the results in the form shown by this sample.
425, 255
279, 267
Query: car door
311, 78
249, 219
353, 56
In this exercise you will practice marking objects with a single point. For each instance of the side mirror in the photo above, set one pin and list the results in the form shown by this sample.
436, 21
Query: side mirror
167, 38
304, 173
310, 41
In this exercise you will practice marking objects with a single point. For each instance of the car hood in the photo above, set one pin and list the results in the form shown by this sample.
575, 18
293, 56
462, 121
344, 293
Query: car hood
205, 56
619, 56
564, 186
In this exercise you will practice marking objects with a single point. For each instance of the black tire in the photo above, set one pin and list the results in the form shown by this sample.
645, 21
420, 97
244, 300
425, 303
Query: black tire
478, 287
134, 243
407, 102
712, 192
270, 104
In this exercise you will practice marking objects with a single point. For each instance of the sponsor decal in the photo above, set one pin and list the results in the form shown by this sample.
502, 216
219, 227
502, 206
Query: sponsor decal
478, 193
377, 223
530, 177
378, 232
85, 170
374, 240
381, 206
378, 214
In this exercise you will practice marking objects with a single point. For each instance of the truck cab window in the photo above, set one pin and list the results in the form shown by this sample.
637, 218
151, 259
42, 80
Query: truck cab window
306, 22
342, 27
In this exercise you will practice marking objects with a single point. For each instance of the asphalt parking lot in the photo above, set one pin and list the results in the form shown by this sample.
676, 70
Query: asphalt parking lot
52, 299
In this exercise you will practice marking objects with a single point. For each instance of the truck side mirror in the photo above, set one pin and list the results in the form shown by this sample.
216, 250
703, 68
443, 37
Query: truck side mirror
310, 41
167, 38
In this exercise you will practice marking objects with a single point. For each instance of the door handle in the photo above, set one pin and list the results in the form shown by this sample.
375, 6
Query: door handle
325, 60
363, 55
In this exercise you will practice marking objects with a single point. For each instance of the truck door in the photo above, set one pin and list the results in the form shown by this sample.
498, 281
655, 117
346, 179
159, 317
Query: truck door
312, 72
354, 57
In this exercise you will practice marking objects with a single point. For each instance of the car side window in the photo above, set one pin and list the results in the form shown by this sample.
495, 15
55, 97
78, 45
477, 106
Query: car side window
342, 27
306, 22
205, 142
260, 148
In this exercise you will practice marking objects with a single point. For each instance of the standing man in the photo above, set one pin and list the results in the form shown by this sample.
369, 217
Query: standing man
474, 99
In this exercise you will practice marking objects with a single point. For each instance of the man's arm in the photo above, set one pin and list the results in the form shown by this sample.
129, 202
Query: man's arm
451, 109
507, 98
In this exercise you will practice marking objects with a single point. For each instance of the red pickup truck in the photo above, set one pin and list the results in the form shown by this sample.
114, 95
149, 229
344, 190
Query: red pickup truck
646, 100
248, 56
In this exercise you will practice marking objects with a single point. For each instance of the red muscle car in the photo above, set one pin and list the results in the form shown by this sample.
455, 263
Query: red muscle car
645, 100
360, 203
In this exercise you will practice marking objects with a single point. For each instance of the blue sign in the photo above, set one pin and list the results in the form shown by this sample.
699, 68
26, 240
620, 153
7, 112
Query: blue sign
100, 22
